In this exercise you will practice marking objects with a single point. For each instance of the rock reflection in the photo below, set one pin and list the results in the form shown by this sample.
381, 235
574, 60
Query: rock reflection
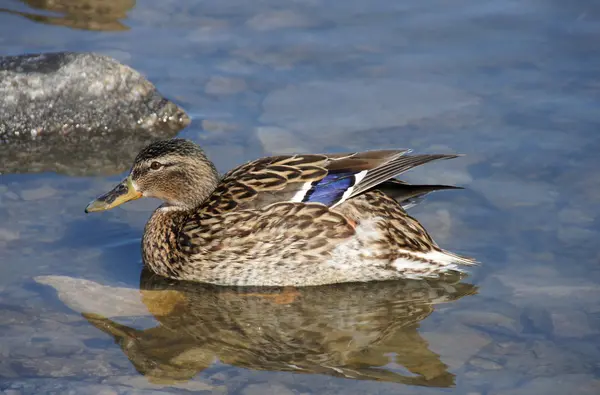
359, 331
96, 155
103, 15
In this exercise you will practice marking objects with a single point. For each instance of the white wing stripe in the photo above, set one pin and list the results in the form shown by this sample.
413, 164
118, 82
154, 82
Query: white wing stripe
358, 177
302, 192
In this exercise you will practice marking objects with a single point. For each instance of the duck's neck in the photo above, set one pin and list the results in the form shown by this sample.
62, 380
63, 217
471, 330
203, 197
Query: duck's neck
160, 249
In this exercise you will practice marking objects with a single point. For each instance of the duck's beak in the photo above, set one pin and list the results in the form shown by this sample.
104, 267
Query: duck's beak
120, 194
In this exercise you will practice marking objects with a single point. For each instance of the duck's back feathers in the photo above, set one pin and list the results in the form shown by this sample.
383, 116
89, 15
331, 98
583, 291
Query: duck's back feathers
325, 179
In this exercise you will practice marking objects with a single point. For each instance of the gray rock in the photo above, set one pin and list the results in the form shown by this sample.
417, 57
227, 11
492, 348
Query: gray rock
576, 234
8, 235
40, 193
280, 59
68, 93
78, 113
511, 193
485, 364
141, 382
219, 85
534, 287
219, 126
575, 215
457, 344
267, 389
210, 31
279, 141
559, 385
489, 319
11, 195
84, 295
570, 323
279, 19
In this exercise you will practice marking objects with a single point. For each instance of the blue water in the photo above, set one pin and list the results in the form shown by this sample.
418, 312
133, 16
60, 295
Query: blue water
514, 85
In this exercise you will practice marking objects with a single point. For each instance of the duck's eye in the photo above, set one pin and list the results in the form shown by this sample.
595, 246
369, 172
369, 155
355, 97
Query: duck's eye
155, 165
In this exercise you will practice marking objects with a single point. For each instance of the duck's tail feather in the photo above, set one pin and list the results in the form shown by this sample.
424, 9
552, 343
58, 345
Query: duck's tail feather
460, 259
407, 194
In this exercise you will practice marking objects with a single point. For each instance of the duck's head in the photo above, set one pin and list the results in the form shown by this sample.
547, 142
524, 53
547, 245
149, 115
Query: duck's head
175, 171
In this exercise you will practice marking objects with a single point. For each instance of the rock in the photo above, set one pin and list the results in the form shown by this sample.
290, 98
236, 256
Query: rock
210, 31
533, 287
536, 320
72, 93
489, 319
576, 234
515, 192
573, 215
485, 364
236, 66
219, 126
65, 386
88, 296
346, 106
40, 193
579, 384
141, 382
279, 141
457, 344
267, 389
100, 390
219, 85
571, 323
8, 235
277, 19
278, 59
11, 195
539, 358
30, 352
219, 376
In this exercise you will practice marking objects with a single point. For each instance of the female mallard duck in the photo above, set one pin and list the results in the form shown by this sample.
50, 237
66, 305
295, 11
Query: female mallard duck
285, 220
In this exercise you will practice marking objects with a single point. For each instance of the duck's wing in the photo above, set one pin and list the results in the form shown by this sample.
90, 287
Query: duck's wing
326, 179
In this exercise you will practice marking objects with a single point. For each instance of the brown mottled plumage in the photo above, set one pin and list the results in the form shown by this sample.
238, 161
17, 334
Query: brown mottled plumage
283, 220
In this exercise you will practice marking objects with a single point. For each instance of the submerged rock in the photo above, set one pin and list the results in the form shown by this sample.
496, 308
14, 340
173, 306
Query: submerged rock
78, 113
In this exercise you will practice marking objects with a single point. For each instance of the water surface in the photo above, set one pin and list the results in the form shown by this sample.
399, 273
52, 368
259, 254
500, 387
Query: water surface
514, 85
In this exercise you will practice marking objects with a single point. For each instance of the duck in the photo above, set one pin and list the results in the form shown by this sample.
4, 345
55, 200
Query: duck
283, 221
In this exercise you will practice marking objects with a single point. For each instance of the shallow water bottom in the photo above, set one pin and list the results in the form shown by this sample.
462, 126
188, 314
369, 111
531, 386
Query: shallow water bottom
512, 84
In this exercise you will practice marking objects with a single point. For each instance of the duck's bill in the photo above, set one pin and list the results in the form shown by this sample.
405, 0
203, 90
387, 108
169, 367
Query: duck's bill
120, 194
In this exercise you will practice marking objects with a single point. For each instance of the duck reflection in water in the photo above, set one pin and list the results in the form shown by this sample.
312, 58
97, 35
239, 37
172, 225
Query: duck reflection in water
363, 331
98, 15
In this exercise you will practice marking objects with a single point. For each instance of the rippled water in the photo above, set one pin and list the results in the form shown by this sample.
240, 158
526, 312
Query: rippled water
514, 85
